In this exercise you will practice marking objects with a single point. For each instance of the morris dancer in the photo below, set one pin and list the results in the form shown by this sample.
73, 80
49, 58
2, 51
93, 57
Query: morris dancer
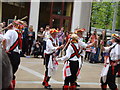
72, 62
71, 66
111, 66
50, 64
82, 45
11, 44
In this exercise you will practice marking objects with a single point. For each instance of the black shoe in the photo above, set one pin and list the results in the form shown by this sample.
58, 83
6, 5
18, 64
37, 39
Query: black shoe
35, 56
48, 87
118, 76
77, 85
92, 62
43, 83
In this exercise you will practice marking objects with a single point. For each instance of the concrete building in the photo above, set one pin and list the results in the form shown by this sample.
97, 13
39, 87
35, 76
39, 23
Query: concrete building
0, 11
69, 15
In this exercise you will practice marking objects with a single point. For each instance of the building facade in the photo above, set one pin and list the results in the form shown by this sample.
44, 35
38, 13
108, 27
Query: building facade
69, 15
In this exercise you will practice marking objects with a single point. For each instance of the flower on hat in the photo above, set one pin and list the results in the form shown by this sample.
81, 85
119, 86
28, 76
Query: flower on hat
20, 24
15, 22
80, 30
53, 30
116, 36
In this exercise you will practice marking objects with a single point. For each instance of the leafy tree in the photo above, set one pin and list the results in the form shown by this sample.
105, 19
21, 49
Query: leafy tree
118, 17
102, 15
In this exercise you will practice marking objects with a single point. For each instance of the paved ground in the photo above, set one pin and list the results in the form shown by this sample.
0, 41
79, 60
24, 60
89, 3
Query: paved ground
31, 73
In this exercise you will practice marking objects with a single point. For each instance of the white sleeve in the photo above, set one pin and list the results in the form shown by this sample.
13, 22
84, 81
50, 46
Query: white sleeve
106, 49
43, 32
118, 52
82, 44
115, 54
58, 42
50, 45
7, 35
68, 53
1, 37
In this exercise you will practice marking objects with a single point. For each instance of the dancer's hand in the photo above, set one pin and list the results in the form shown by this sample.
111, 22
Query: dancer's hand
60, 47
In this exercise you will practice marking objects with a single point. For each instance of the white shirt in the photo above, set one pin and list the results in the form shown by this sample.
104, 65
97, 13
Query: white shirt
11, 36
69, 52
82, 45
49, 46
115, 52
1, 25
1, 37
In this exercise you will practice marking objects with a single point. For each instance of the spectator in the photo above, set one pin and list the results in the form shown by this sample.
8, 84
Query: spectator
46, 36
40, 38
99, 50
94, 52
88, 53
93, 37
66, 39
40, 35
67, 36
61, 37
36, 49
25, 40
88, 36
31, 38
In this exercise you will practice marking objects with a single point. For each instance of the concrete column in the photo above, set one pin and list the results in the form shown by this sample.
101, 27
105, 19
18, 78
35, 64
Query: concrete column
34, 15
76, 15
85, 15
81, 15
0, 11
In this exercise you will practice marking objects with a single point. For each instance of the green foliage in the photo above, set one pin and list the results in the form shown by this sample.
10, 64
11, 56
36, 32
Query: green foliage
118, 17
102, 15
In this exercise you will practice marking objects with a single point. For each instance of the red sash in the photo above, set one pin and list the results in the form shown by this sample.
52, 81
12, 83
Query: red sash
53, 42
14, 45
19, 38
76, 51
17, 42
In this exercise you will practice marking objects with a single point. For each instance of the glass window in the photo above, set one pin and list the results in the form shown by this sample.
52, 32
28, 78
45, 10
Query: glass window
56, 23
57, 8
67, 8
66, 24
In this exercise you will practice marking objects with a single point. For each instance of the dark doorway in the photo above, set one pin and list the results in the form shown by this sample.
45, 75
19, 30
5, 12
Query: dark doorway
12, 9
44, 14
61, 15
